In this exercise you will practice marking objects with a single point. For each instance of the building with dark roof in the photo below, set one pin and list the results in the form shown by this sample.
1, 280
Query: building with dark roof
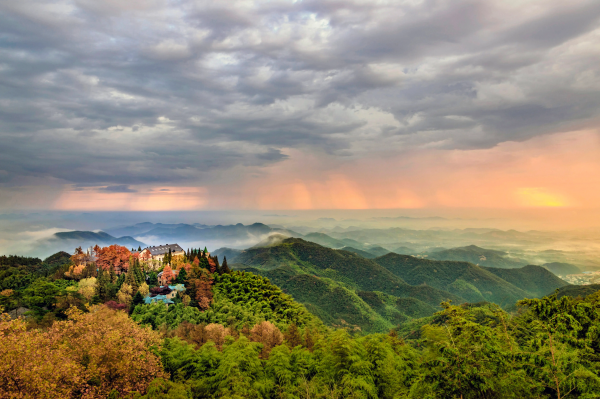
158, 252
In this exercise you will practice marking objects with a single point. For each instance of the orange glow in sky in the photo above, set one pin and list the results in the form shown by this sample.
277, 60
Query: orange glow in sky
560, 170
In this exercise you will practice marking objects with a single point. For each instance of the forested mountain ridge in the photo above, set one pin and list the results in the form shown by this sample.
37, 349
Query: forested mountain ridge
333, 284
536, 280
478, 256
347, 267
470, 281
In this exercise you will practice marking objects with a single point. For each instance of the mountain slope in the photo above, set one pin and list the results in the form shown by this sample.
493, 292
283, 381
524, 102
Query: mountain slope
460, 278
86, 238
362, 253
576, 290
230, 253
536, 280
324, 240
340, 286
562, 269
478, 256
349, 268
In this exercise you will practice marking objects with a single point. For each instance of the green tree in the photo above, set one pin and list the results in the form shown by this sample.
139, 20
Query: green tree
561, 346
138, 299
181, 277
224, 267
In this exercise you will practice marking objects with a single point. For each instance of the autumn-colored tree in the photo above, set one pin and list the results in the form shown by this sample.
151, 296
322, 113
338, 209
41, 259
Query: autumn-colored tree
115, 305
212, 265
88, 356
217, 333
200, 289
75, 271
114, 255
87, 287
144, 289
79, 257
125, 294
292, 336
177, 262
167, 275
267, 334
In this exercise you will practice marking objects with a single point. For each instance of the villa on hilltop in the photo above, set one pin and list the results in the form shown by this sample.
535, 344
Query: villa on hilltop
159, 252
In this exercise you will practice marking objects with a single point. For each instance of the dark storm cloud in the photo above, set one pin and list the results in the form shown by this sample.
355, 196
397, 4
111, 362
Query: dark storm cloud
115, 94
122, 188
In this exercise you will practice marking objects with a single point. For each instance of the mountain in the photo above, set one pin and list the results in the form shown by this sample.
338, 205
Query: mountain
230, 253
90, 238
460, 278
576, 290
378, 251
362, 253
333, 284
324, 240
191, 235
478, 256
271, 240
404, 250
142, 228
536, 280
562, 269
353, 245
69, 240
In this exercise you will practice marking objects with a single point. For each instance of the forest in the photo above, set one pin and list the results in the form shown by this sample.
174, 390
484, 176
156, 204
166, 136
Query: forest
234, 334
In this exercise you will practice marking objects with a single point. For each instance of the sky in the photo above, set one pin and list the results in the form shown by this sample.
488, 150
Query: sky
173, 105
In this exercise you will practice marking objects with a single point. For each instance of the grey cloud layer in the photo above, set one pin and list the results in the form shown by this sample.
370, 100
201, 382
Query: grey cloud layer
116, 94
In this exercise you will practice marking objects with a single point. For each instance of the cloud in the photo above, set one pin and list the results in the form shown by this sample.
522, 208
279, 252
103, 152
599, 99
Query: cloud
102, 94
122, 188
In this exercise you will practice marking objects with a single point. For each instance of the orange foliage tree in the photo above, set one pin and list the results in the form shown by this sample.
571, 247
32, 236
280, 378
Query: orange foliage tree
114, 255
167, 275
267, 334
200, 288
88, 356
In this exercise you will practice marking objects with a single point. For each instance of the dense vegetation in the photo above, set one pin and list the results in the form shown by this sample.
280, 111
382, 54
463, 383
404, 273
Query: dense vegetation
478, 256
327, 282
237, 335
549, 349
471, 282
336, 284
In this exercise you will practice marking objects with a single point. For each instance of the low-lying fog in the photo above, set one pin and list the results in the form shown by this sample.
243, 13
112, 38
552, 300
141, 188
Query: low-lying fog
534, 238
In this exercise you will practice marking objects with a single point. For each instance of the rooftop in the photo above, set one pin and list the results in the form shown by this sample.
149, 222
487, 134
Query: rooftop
163, 249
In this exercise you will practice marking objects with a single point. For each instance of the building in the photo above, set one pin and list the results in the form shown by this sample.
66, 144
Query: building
158, 298
159, 252
166, 297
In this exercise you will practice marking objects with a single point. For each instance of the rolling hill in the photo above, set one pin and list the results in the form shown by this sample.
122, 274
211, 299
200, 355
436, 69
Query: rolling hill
562, 269
472, 282
478, 256
362, 253
230, 253
338, 285
576, 290
346, 289
536, 280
